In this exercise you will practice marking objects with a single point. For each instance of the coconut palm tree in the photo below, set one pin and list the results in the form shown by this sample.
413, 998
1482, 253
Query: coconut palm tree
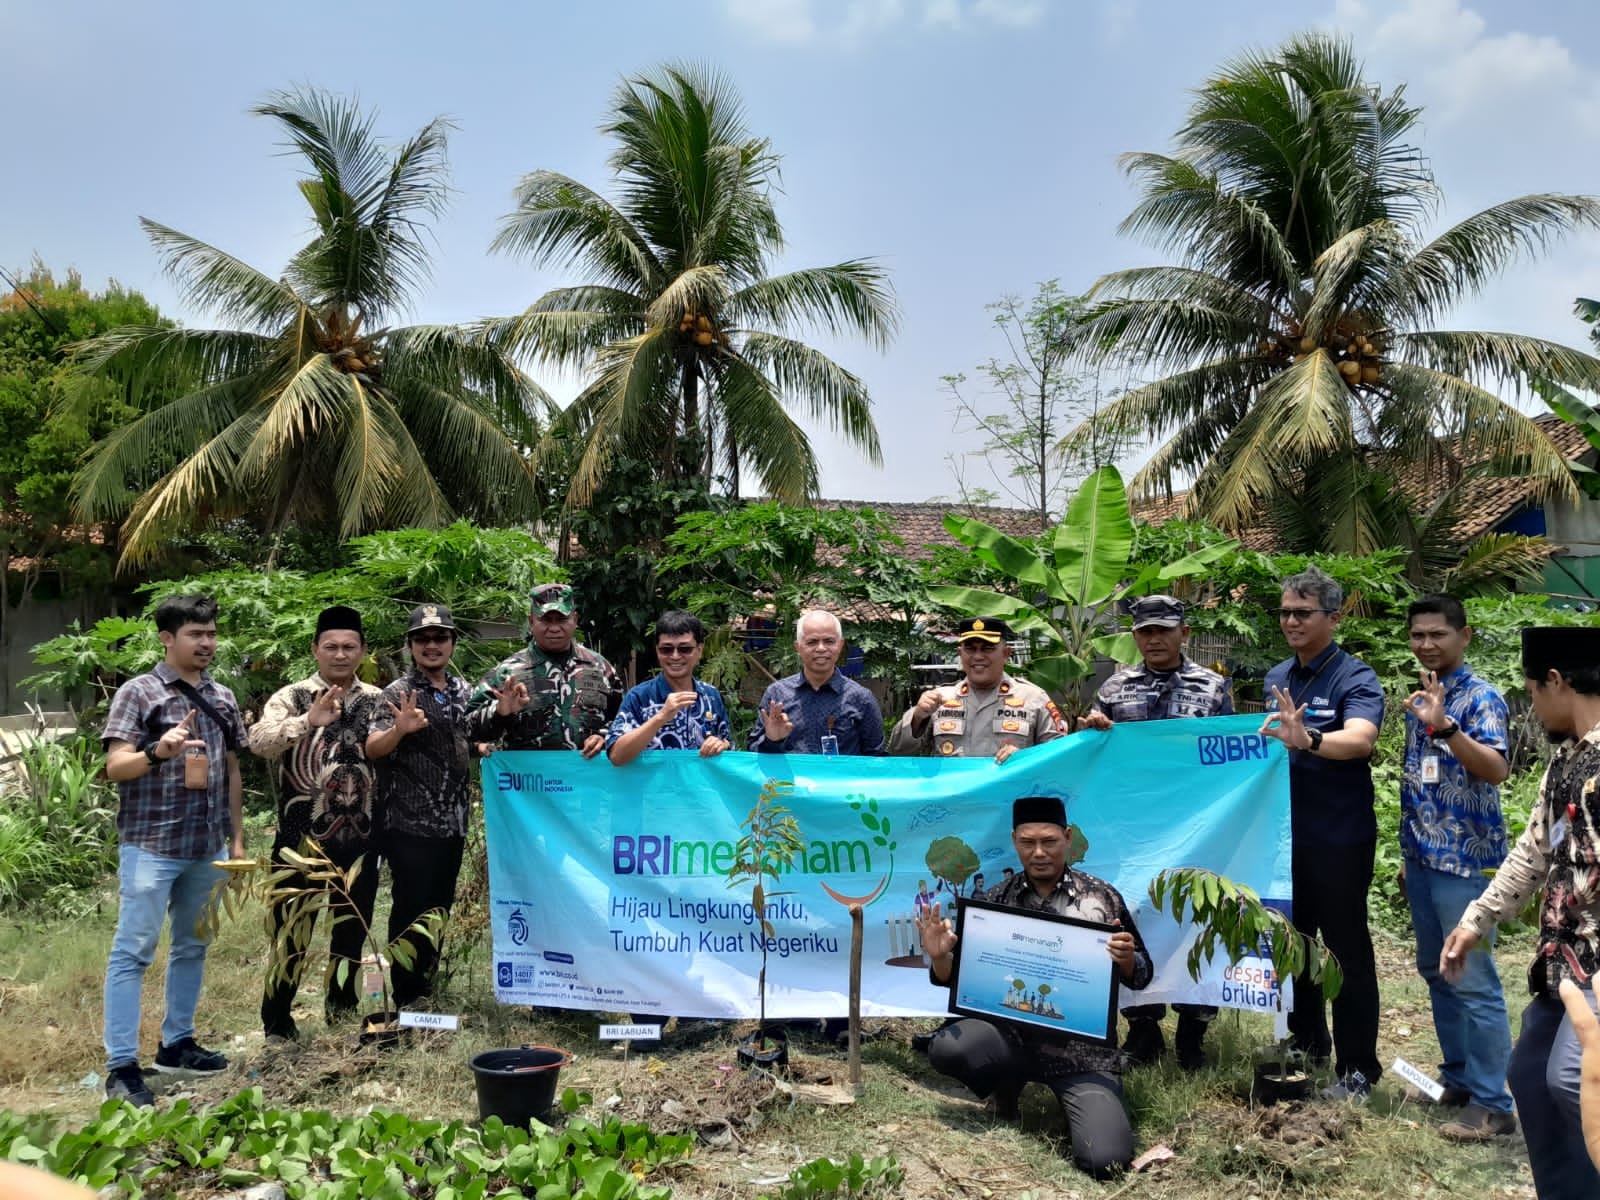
1300, 367
309, 407
677, 323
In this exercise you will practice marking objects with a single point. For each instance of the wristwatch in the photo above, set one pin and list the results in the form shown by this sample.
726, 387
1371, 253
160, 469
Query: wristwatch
154, 759
1445, 732
1316, 739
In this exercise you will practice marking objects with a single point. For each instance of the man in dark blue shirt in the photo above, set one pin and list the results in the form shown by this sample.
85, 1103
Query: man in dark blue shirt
1329, 706
818, 711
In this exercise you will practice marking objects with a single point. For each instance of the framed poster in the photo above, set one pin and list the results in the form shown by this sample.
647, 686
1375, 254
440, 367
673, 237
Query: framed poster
1035, 969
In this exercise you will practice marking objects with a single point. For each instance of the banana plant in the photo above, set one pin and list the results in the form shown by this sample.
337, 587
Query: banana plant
1069, 582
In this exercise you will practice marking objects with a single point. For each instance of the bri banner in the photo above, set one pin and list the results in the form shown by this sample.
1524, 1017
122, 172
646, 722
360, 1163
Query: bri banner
609, 885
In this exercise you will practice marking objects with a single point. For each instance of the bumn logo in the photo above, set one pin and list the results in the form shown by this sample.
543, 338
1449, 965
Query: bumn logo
1217, 748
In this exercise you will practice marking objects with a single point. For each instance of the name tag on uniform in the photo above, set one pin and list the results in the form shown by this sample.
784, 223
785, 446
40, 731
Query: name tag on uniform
1430, 768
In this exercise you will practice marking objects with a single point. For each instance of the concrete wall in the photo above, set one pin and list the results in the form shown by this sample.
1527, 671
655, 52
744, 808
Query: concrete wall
25, 628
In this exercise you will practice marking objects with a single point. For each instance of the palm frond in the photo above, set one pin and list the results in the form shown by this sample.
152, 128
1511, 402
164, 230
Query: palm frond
1496, 563
849, 298
763, 434
559, 221
1471, 255
566, 326
216, 282
801, 374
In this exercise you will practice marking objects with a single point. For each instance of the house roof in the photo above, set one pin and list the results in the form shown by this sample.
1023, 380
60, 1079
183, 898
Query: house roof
921, 526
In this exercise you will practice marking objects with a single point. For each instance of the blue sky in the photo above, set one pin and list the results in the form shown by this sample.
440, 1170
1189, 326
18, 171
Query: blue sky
969, 145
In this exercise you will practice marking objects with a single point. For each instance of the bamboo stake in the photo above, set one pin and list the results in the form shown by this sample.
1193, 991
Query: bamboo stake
856, 938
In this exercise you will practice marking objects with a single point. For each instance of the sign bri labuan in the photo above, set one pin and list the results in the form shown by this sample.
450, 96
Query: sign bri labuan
609, 886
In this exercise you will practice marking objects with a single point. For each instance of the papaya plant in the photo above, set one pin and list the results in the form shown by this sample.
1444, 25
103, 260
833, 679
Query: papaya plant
1068, 582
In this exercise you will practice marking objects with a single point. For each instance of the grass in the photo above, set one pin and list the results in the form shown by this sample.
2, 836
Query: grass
751, 1129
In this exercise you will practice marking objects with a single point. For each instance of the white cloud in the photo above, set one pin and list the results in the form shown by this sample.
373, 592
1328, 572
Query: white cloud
849, 23
1460, 69
784, 21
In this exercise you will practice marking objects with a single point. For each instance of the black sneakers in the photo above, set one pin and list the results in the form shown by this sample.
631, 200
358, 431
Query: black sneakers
189, 1057
127, 1083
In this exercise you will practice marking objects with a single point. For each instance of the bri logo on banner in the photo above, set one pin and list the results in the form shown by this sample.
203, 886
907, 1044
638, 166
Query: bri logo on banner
1218, 748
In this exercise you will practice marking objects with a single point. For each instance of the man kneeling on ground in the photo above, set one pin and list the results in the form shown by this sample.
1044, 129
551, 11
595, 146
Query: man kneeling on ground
998, 1060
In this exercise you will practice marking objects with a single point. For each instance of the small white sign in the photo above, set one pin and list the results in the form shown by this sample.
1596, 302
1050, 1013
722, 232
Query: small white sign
1417, 1079
419, 1020
630, 1033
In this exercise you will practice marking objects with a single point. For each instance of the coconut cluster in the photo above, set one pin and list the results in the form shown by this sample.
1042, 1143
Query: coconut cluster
1356, 349
344, 344
701, 329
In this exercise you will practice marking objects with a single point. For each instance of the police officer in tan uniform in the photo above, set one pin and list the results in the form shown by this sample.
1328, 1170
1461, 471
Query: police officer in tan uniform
987, 714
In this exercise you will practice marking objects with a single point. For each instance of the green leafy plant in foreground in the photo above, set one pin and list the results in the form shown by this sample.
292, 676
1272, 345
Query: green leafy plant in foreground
1231, 917
823, 1177
318, 1156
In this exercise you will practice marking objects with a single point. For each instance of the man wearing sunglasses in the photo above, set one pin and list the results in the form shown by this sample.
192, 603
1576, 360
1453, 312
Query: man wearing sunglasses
988, 714
673, 711
1326, 706
419, 742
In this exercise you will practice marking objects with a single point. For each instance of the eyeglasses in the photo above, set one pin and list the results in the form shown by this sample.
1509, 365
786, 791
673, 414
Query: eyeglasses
979, 646
1302, 614
675, 651
432, 639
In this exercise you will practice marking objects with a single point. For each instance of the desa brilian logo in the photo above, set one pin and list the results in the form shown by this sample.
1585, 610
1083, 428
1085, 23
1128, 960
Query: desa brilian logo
1219, 748
518, 925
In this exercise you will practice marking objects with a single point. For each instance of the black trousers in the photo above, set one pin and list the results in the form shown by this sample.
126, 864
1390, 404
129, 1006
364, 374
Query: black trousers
1330, 898
1203, 1013
980, 1056
422, 874
345, 942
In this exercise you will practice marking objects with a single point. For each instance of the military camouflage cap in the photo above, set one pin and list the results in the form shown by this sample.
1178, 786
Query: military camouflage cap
552, 597
1164, 611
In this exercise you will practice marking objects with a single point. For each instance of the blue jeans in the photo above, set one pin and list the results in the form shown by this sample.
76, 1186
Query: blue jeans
153, 887
1544, 1079
1469, 1015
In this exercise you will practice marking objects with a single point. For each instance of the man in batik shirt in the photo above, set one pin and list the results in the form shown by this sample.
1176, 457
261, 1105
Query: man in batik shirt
418, 741
999, 1059
1559, 852
315, 731
1451, 832
673, 711
554, 695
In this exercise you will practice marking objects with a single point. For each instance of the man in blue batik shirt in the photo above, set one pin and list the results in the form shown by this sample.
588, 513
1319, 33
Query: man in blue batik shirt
1451, 831
818, 711
673, 711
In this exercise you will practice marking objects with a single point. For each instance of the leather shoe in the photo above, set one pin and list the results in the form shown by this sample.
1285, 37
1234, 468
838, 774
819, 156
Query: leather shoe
1475, 1123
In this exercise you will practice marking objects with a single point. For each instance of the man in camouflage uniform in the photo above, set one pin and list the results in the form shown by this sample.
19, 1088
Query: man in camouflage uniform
1558, 852
554, 695
315, 734
988, 714
1164, 685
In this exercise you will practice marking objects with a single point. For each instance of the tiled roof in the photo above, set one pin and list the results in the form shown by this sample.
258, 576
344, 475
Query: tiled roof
921, 526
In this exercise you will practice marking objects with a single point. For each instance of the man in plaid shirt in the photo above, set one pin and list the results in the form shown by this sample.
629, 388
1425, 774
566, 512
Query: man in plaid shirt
172, 739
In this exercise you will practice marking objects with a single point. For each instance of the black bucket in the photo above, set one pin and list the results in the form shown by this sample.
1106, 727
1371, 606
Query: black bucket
519, 1085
